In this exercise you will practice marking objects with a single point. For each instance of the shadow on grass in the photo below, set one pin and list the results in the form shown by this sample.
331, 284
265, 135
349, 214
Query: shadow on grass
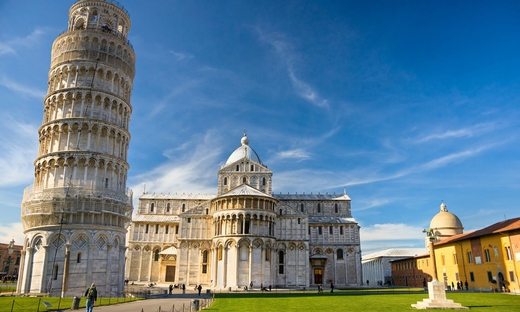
237, 295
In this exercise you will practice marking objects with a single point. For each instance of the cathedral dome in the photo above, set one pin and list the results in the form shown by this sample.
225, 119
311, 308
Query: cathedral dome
244, 151
446, 223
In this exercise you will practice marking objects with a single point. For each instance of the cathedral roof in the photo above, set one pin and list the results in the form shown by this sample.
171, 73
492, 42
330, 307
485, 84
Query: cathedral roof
160, 218
311, 196
245, 190
178, 196
496, 228
325, 219
243, 151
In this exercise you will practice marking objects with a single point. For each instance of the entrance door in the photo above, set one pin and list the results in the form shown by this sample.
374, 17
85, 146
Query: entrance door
318, 276
170, 273
500, 285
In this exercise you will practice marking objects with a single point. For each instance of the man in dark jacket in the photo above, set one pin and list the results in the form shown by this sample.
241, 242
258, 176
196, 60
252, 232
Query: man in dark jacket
91, 295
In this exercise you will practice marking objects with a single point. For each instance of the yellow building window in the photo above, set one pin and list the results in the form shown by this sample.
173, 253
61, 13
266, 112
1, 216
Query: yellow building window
508, 253
487, 254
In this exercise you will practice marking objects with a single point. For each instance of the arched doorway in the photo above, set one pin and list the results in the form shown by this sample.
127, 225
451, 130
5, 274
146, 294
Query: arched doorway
318, 275
501, 286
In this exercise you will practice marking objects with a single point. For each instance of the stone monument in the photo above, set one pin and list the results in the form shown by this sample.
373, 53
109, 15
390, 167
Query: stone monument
436, 289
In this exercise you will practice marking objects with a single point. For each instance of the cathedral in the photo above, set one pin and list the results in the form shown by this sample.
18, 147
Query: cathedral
77, 214
245, 235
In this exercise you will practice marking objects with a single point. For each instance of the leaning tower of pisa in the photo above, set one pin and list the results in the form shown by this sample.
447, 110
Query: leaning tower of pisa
75, 215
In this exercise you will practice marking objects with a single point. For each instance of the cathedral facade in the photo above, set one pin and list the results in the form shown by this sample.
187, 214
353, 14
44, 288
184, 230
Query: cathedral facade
244, 234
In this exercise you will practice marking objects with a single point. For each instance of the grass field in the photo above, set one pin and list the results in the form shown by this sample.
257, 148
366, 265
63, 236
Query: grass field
19, 304
342, 300
352, 301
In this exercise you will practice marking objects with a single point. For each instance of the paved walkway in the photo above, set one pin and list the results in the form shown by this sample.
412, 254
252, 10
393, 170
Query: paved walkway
174, 303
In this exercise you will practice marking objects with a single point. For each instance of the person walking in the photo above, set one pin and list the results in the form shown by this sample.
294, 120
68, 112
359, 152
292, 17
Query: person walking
183, 288
91, 295
331, 287
199, 289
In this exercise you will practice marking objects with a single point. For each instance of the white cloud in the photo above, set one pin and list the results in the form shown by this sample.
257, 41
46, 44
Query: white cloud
378, 236
305, 91
177, 90
19, 145
6, 49
370, 203
298, 154
284, 51
192, 173
467, 132
391, 231
10, 46
12, 231
21, 89
180, 56
445, 160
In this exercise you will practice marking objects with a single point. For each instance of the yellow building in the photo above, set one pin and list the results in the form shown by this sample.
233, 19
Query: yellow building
487, 259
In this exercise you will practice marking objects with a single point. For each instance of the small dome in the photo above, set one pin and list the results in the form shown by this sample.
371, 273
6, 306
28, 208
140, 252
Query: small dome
446, 223
244, 151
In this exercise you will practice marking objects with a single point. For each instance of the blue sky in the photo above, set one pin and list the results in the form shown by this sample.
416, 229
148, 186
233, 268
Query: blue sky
404, 103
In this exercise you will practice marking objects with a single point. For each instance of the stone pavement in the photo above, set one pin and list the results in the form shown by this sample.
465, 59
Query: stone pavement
167, 303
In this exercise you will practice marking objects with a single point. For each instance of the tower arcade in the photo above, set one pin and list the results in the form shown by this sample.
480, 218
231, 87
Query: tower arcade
75, 215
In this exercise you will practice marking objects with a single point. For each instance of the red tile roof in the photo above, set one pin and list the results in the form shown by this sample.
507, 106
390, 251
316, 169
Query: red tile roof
499, 227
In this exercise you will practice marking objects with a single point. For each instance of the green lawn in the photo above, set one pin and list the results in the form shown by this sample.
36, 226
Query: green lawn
39, 303
351, 300
354, 301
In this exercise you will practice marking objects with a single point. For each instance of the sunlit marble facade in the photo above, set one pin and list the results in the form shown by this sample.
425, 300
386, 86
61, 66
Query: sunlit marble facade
244, 234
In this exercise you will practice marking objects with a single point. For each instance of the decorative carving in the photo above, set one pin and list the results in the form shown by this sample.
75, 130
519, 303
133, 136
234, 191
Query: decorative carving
102, 241
80, 241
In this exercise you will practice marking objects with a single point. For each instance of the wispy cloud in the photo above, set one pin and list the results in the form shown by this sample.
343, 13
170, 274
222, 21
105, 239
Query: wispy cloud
285, 52
454, 157
371, 203
180, 56
17, 153
10, 46
467, 132
21, 89
6, 49
174, 92
192, 173
375, 175
295, 154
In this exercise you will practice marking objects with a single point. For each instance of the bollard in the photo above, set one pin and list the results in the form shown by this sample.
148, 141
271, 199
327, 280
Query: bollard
194, 305
75, 303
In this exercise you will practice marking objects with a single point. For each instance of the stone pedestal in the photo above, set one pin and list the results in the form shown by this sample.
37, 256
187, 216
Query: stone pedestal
437, 298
